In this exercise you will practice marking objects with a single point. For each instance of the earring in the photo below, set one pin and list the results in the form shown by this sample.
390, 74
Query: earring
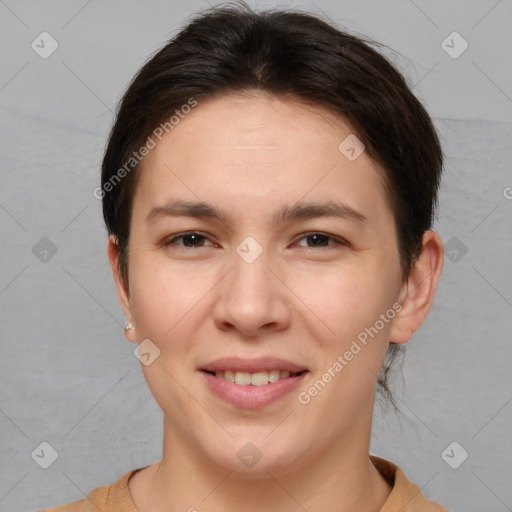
128, 326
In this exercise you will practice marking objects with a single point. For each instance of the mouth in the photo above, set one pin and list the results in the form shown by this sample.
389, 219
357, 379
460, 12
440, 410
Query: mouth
252, 383
261, 378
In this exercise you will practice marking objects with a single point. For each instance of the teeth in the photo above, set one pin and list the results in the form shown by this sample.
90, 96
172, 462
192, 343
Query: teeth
259, 378
274, 375
242, 378
256, 379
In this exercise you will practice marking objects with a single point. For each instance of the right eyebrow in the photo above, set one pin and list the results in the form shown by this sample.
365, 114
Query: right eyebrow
196, 209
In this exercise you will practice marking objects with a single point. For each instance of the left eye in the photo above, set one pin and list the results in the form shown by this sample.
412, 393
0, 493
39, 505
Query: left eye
321, 239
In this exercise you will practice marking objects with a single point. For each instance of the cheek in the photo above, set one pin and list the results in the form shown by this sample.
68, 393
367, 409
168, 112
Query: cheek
164, 304
162, 298
352, 350
343, 302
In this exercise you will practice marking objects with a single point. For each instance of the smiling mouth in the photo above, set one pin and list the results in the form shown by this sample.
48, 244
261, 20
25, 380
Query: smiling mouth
256, 378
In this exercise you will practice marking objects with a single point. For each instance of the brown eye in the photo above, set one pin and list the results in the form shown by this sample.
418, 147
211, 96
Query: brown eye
190, 240
321, 240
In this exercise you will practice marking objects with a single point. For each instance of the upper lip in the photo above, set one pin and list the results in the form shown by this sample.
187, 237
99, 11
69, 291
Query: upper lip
259, 364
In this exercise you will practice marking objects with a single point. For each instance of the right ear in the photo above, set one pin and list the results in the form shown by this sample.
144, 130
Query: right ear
123, 294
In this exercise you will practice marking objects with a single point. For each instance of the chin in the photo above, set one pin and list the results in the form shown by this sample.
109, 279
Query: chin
254, 456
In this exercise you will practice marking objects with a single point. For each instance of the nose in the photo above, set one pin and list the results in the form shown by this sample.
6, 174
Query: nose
252, 300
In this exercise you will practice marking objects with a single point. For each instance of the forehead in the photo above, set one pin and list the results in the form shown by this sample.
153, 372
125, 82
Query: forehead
260, 122
264, 147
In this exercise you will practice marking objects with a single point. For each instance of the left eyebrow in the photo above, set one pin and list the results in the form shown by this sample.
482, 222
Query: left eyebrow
201, 209
311, 210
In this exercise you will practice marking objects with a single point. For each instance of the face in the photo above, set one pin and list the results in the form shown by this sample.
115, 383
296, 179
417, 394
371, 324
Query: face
290, 264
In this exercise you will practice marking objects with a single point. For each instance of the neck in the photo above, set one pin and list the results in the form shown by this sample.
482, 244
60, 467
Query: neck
341, 479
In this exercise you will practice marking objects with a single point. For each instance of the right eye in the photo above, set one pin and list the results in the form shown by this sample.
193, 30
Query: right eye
191, 240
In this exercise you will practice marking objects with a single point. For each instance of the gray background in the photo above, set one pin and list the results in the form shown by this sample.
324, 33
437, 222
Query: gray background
68, 376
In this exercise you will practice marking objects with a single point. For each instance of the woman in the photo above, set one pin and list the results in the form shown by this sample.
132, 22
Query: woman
269, 187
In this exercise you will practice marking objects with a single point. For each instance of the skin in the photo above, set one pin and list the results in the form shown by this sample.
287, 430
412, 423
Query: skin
250, 154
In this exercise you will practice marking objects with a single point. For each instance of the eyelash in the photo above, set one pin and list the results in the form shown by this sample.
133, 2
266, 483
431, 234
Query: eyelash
338, 241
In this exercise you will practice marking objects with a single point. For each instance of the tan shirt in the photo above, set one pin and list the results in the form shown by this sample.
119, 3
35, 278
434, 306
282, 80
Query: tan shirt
405, 496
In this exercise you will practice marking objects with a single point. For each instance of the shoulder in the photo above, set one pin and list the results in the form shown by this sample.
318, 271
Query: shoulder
405, 495
109, 498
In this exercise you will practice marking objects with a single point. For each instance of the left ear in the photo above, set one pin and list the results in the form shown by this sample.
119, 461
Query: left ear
417, 294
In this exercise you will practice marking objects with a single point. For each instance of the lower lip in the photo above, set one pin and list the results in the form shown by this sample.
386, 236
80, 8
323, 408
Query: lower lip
250, 396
